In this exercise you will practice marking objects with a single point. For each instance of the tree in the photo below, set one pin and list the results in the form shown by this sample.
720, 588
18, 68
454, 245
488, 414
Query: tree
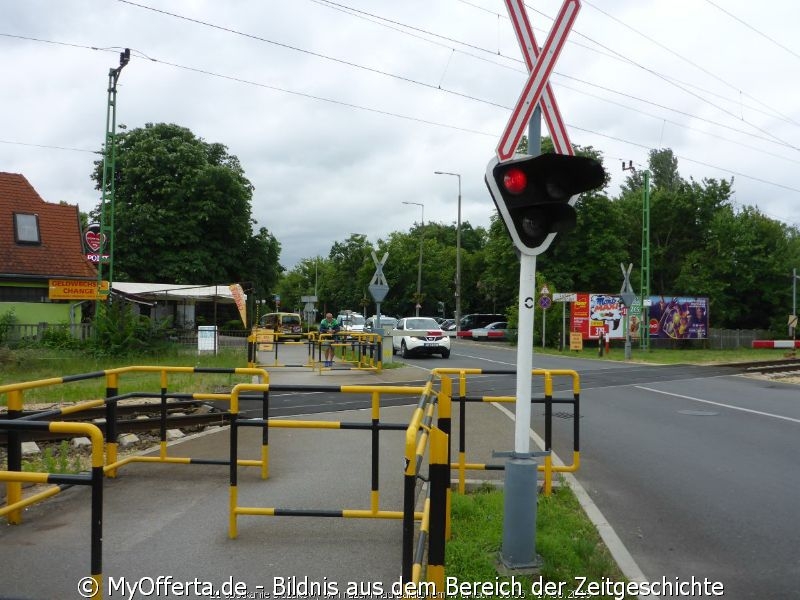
183, 213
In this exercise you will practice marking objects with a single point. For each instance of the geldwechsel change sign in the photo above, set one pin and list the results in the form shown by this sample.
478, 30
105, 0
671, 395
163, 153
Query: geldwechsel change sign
75, 289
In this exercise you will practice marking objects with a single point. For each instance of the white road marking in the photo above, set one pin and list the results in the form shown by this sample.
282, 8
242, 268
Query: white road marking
747, 410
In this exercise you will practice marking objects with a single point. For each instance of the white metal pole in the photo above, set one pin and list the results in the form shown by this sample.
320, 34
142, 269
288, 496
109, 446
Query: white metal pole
527, 283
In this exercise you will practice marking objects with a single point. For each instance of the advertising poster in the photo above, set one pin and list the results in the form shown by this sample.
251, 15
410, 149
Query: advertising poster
592, 313
676, 317
679, 317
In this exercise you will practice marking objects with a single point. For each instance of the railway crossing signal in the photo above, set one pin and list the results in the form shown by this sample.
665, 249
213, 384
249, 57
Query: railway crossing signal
533, 195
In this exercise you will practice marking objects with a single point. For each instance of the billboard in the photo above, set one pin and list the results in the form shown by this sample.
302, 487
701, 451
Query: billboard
680, 317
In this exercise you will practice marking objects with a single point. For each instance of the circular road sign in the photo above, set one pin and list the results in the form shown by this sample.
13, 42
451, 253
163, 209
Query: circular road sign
545, 302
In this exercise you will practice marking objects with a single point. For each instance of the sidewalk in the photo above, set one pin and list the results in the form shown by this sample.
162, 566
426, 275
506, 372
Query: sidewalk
172, 520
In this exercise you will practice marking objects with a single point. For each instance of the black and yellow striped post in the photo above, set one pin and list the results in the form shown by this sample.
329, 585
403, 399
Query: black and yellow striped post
439, 482
548, 433
112, 390
376, 448
14, 453
444, 423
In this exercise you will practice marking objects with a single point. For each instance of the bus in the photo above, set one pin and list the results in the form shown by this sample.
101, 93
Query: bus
475, 320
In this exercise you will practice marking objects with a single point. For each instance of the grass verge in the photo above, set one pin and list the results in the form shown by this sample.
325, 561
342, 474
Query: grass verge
568, 543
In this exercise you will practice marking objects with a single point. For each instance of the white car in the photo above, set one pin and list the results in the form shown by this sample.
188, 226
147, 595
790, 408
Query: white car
419, 335
352, 321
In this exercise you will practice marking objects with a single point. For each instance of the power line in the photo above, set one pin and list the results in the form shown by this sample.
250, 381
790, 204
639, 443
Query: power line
687, 60
761, 33
349, 10
682, 88
351, 105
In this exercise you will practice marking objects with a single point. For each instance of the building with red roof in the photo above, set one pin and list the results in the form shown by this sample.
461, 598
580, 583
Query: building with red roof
40, 243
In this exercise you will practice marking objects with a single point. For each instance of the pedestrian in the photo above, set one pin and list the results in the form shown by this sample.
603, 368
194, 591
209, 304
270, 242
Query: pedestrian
332, 326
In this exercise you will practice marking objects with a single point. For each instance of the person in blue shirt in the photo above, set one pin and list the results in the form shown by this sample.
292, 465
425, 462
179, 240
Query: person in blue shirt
329, 325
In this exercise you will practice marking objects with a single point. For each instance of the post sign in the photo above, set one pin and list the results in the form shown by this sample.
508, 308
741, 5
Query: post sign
76, 289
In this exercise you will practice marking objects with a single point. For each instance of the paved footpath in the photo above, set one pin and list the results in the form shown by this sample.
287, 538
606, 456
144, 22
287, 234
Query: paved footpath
172, 520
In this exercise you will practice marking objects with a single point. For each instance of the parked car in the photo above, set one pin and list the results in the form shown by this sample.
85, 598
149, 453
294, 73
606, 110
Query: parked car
493, 331
476, 320
288, 325
389, 322
419, 335
351, 321
448, 325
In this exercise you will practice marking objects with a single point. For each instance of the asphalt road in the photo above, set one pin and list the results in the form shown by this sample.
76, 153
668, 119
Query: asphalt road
694, 467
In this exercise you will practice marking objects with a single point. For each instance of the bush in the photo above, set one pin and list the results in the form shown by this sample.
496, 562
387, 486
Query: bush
6, 320
59, 338
119, 331
233, 325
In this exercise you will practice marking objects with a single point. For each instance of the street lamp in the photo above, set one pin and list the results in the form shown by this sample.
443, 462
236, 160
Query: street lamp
458, 251
419, 268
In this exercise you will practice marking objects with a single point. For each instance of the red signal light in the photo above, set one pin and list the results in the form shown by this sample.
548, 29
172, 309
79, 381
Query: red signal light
515, 180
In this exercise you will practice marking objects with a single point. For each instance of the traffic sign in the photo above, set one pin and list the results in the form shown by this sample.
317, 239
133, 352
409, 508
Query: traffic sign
565, 297
545, 290
530, 51
378, 287
545, 302
539, 75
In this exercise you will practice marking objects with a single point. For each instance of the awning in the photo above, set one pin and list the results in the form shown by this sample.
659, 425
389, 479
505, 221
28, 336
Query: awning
164, 291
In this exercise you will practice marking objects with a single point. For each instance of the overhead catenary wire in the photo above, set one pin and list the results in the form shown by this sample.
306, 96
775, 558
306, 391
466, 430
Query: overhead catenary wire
388, 113
673, 82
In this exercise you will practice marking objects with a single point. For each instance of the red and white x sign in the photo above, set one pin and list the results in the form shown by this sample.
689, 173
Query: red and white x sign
540, 66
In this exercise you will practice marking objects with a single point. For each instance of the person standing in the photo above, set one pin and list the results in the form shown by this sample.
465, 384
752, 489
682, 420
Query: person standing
332, 326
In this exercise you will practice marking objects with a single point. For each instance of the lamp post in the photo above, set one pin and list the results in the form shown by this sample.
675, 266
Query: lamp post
458, 251
418, 299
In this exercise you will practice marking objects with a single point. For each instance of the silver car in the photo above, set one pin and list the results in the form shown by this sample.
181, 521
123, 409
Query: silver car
419, 335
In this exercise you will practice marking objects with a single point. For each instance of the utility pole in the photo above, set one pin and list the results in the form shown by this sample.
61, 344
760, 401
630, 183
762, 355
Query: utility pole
108, 185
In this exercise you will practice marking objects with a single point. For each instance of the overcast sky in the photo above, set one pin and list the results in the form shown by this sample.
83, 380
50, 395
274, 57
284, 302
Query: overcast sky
339, 112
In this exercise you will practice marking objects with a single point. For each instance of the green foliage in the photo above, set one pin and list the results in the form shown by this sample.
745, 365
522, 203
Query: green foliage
700, 244
6, 320
59, 338
60, 461
567, 541
188, 203
119, 331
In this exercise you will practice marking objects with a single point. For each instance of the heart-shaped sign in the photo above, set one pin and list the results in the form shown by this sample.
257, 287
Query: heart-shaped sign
94, 240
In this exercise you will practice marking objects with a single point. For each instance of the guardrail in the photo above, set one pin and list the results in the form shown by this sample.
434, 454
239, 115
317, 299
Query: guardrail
15, 503
15, 400
548, 400
428, 431
356, 350
416, 441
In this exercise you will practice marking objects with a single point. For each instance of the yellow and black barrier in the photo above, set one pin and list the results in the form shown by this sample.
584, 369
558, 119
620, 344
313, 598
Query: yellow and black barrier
548, 400
417, 433
94, 479
15, 400
355, 350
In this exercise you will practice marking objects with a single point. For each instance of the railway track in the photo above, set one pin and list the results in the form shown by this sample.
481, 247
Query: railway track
786, 367
135, 418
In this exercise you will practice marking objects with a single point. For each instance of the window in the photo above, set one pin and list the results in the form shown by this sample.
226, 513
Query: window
26, 228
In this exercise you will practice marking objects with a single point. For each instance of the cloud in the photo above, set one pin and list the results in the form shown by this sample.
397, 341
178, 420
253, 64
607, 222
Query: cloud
340, 112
